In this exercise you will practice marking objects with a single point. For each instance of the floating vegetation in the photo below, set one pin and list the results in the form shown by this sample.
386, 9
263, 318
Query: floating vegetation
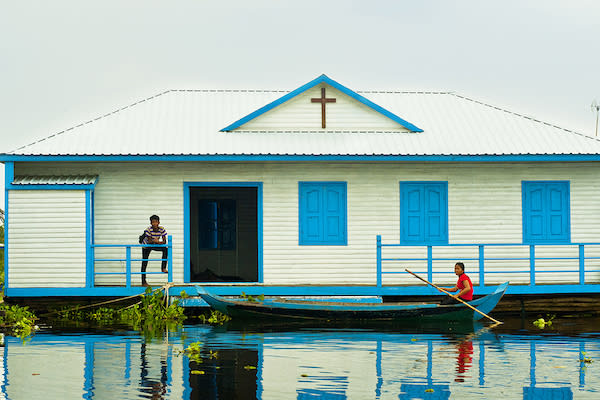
584, 359
17, 321
194, 352
251, 299
541, 323
151, 315
214, 318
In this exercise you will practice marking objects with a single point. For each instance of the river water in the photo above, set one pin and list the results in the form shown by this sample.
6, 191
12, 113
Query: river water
515, 360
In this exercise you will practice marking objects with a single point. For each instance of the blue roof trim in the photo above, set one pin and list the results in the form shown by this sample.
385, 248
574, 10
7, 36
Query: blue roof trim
322, 79
269, 157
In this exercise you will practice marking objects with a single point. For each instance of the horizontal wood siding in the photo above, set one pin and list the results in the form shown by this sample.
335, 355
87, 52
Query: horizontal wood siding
484, 202
300, 113
46, 231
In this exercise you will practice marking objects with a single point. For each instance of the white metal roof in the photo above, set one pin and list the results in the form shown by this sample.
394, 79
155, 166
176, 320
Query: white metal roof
55, 180
188, 122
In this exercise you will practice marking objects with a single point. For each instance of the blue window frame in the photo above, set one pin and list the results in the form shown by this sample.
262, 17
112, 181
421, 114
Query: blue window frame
322, 213
424, 212
546, 212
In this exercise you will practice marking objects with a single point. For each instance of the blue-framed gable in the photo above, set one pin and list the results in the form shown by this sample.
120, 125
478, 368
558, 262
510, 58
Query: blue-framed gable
322, 79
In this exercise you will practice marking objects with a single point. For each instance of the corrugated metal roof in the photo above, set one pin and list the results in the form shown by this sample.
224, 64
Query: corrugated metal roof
55, 180
187, 122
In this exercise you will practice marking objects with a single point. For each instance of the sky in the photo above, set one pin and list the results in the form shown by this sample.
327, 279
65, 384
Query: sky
68, 61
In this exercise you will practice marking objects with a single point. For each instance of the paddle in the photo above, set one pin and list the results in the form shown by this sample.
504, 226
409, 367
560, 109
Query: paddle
449, 294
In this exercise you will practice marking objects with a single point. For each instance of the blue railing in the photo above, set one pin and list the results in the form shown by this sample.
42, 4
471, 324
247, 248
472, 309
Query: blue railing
526, 265
128, 260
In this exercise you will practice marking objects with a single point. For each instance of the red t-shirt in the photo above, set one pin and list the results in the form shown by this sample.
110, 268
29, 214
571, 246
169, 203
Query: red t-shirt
460, 285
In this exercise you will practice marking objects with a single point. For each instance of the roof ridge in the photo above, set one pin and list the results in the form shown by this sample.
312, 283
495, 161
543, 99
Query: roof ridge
523, 116
89, 121
287, 91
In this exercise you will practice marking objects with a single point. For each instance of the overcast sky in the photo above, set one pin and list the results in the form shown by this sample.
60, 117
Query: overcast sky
63, 62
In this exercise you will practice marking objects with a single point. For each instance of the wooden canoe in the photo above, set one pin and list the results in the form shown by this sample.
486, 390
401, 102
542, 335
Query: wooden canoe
337, 310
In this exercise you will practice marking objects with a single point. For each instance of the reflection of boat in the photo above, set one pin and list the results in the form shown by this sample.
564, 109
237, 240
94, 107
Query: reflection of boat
328, 310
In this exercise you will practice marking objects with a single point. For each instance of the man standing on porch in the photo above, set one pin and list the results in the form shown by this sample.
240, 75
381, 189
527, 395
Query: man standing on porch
463, 285
154, 234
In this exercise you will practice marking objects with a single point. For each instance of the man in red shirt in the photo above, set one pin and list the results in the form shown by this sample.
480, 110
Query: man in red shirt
463, 285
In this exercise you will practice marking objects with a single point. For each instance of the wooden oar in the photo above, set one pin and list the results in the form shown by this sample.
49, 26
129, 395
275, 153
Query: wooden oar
449, 294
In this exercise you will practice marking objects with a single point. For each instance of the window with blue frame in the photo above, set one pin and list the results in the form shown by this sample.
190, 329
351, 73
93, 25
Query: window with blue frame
546, 212
424, 213
322, 213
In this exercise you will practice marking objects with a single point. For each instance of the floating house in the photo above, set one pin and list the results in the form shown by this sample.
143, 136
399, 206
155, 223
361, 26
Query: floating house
322, 190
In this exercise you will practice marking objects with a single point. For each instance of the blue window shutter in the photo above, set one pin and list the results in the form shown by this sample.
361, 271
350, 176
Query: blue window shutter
546, 212
424, 212
537, 219
322, 213
436, 218
313, 215
415, 214
335, 213
558, 212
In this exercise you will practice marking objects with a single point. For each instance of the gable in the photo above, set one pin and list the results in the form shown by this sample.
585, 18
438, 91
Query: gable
303, 110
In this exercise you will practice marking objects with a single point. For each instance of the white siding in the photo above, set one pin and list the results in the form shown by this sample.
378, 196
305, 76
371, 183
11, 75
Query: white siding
484, 207
300, 113
46, 238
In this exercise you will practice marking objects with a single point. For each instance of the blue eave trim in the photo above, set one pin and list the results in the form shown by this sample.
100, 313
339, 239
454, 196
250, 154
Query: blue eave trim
271, 157
322, 79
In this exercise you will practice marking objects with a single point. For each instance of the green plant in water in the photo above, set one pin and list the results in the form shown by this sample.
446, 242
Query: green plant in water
17, 320
541, 323
151, 315
215, 318
193, 351
251, 299
584, 359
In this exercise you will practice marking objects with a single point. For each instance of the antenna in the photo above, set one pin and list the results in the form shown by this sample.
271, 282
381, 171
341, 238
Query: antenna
596, 108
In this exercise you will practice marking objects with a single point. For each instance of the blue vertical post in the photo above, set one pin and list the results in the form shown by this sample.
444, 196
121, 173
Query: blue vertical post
430, 263
378, 261
481, 266
170, 258
532, 265
128, 266
581, 265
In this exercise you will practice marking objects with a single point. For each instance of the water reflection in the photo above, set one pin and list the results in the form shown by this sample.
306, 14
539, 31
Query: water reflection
282, 362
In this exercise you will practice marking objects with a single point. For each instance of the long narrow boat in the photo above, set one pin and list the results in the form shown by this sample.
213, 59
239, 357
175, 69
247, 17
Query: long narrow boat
334, 310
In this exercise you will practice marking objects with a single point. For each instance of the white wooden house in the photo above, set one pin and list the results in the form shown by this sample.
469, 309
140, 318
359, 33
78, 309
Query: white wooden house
286, 193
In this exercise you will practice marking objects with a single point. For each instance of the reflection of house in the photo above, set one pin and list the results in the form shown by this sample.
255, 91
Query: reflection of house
306, 364
290, 190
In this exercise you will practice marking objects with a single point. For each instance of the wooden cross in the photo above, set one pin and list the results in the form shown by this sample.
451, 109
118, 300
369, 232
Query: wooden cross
323, 100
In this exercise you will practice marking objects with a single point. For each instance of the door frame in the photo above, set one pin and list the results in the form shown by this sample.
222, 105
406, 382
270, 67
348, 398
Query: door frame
187, 186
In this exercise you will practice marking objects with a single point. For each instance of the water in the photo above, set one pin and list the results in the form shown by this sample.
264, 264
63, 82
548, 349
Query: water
513, 361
